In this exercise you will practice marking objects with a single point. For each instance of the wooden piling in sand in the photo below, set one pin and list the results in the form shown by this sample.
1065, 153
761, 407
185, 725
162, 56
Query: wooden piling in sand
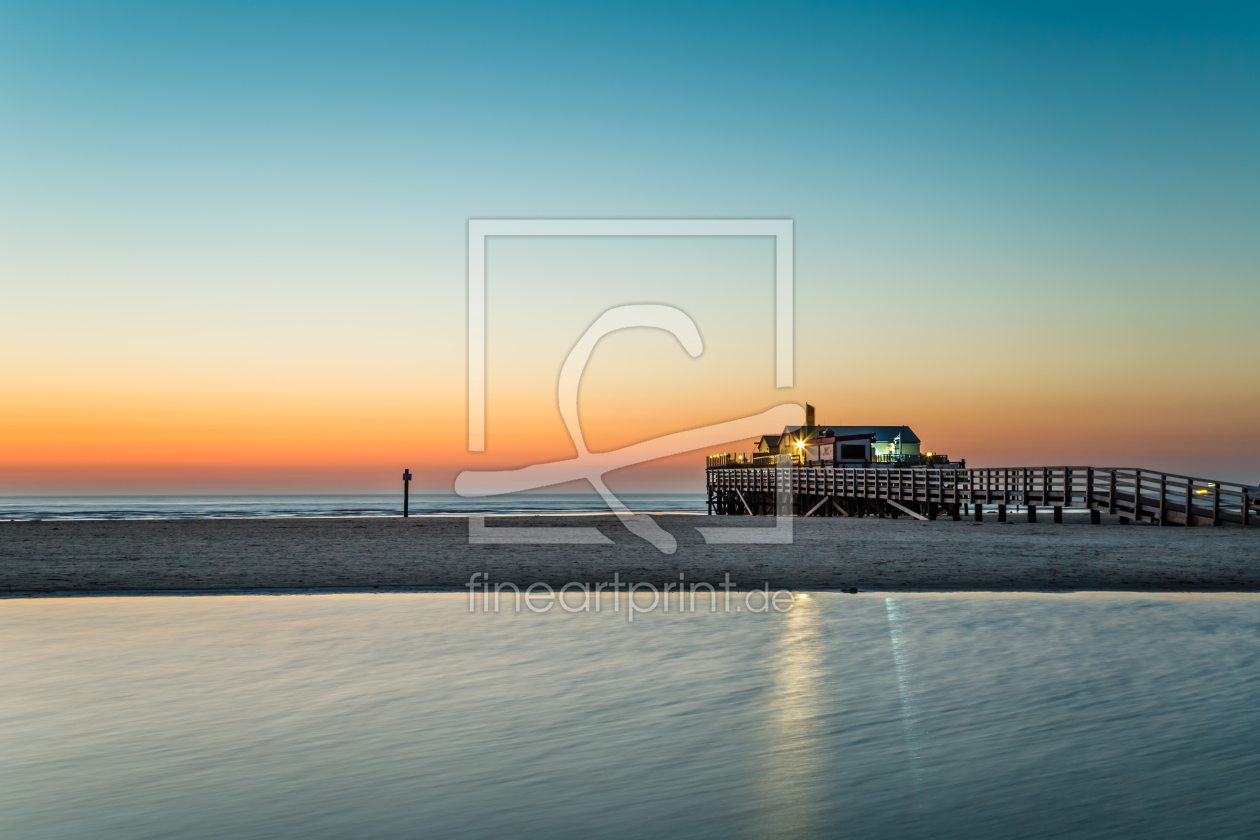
406, 493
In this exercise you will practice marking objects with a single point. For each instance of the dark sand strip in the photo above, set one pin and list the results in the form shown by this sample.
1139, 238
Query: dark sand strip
68, 557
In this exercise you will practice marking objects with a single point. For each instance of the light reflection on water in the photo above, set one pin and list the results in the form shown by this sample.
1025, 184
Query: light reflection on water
791, 795
903, 660
404, 715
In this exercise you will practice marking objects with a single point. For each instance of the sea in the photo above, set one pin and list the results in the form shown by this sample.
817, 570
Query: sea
326, 505
405, 715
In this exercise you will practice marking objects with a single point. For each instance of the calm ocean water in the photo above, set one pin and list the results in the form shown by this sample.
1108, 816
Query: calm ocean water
401, 716
199, 507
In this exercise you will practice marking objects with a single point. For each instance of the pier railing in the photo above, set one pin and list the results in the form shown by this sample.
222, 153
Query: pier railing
924, 492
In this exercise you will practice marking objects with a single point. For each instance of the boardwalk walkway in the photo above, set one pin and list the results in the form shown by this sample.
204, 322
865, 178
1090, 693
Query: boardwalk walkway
926, 493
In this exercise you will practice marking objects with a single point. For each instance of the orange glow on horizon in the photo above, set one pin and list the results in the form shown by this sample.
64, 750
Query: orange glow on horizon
356, 434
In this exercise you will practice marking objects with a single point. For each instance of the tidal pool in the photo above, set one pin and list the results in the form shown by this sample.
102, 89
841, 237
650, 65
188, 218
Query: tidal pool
405, 715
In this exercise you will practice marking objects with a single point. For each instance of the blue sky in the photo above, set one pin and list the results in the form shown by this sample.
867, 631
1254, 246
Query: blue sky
277, 174
408, 106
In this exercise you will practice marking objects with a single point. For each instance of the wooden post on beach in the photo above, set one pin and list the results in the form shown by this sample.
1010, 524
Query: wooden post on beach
406, 493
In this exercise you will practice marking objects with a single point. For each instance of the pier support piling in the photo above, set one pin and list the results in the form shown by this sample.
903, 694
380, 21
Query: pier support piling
740, 489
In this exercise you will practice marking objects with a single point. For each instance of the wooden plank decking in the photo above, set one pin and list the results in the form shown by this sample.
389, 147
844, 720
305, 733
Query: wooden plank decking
926, 493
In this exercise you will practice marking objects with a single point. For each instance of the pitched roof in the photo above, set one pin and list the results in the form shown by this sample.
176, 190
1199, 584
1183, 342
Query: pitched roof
883, 434
867, 436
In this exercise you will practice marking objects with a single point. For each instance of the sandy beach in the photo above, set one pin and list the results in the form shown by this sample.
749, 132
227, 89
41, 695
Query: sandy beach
243, 555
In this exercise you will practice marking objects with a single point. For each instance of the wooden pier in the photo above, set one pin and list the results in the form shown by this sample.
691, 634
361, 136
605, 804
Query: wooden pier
927, 493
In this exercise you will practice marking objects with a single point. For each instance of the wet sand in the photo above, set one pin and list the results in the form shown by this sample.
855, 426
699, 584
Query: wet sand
259, 555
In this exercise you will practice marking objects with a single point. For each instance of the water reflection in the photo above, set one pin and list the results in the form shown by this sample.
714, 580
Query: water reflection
384, 717
907, 689
794, 769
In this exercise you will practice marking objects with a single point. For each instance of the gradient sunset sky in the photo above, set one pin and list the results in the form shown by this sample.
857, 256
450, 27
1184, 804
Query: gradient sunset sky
232, 236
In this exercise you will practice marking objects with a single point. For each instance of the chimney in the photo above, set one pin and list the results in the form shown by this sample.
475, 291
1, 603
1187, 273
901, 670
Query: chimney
809, 415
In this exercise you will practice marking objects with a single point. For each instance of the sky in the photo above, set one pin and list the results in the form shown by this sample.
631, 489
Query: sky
233, 236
